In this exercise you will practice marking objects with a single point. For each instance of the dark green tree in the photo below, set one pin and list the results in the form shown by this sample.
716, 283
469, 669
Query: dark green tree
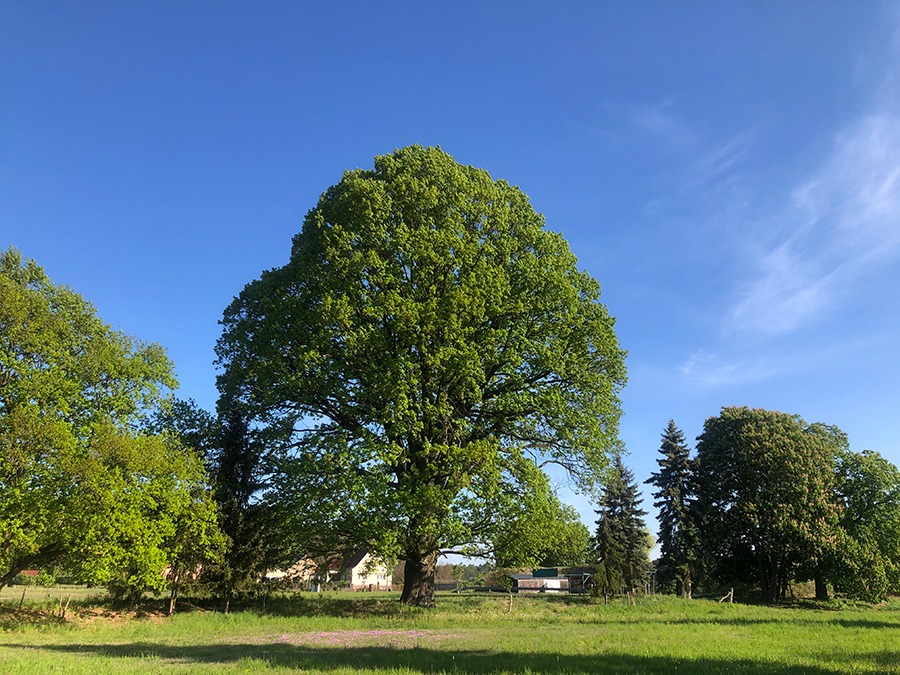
677, 532
622, 542
238, 459
240, 471
765, 498
609, 562
426, 342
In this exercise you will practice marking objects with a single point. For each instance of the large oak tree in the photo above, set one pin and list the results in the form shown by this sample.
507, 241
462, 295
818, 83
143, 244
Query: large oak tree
428, 347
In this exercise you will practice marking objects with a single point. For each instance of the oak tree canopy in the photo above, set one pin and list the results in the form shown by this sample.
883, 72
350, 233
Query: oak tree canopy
427, 350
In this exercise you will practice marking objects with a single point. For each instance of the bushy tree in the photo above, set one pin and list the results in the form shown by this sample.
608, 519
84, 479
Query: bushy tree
766, 500
78, 485
572, 544
622, 542
530, 527
426, 341
868, 488
677, 531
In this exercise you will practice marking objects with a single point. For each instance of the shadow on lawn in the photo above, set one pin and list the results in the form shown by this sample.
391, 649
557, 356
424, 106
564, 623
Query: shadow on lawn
363, 606
476, 662
862, 622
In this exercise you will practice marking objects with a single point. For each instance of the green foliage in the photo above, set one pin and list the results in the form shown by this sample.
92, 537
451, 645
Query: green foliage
240, 465
868, 487
237, 459
428, 344
571, 545
77, 484
45, 579
677, 531
610, 563
622, 542
22, 579
765, 497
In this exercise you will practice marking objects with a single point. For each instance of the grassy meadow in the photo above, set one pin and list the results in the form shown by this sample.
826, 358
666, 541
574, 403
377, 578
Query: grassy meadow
467, 634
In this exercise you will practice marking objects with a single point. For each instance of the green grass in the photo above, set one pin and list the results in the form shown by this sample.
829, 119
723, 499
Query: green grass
13, 594
371, 633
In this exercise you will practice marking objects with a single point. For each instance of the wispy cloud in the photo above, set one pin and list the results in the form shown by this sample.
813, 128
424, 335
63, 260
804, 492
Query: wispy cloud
724, 157
661, 120
714, 370
840, 224
655, 118
708, 370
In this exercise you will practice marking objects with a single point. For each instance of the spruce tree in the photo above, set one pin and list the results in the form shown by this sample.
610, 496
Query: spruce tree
622, 542
676, 532
610, 560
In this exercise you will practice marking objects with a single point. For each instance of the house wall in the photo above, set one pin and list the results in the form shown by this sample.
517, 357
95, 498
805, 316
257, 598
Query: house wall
378, 577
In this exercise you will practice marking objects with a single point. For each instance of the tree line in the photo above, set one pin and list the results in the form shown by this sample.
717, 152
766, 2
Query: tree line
401, 386
769, 500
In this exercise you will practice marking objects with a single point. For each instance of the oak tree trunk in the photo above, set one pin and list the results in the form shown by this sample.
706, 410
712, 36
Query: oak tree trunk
418, 579
761, 567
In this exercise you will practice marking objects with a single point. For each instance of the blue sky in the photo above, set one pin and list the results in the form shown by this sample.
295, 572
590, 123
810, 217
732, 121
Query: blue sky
729, 172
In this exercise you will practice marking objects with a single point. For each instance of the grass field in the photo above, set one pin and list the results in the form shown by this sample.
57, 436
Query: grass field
371, 633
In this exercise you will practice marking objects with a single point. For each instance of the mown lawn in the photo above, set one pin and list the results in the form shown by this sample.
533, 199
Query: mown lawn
344, 633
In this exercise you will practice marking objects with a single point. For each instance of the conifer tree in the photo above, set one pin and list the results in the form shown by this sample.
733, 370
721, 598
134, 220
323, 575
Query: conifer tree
610, 560
240, 464
676, 532
622, 542
238, 459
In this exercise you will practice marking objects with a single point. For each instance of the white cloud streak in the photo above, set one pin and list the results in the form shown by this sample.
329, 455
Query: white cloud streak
843, 222
706, 370
724, 158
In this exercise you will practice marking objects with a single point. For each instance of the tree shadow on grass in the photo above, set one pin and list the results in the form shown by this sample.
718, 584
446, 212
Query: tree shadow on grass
862, 622
469, 662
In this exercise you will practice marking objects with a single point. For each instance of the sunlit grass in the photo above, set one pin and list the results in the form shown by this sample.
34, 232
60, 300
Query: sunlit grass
370, 633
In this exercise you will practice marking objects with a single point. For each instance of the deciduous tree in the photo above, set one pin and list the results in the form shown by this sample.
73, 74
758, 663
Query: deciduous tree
765, 496
78, 484
426, 341
868, 487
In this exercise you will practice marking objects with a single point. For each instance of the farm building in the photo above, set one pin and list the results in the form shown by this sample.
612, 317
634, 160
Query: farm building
540, 581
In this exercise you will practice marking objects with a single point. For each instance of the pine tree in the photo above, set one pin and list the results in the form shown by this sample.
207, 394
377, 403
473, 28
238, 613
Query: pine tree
622, 542
676, 532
